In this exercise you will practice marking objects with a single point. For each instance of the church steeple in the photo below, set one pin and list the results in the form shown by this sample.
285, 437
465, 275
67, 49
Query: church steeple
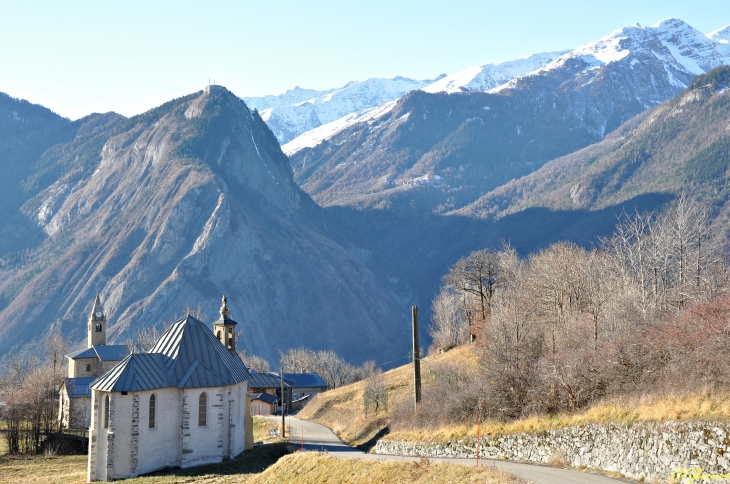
97, 325
225, 328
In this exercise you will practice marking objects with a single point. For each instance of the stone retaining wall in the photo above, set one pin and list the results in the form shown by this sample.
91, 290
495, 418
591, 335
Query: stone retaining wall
649, 450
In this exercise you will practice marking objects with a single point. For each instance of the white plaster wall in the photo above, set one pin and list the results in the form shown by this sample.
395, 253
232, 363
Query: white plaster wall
238, 433
101, 433
122, 435
160, 446
206, 445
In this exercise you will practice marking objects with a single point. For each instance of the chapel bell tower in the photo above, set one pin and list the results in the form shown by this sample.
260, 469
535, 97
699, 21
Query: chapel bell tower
97, 325
225, 328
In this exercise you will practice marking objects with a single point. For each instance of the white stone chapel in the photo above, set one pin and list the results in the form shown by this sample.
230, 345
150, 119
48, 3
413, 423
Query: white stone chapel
181, 404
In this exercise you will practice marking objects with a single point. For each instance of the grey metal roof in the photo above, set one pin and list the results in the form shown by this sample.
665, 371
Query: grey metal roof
224, 321
264, 397
137, 372
265, 380
78, 387
305, 380
187, 355
102, 352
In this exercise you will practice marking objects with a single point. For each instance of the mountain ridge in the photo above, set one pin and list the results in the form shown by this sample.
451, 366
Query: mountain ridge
592, 89
187, 203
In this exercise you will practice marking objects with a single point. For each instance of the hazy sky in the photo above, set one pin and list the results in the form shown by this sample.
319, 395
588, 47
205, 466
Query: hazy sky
78, 57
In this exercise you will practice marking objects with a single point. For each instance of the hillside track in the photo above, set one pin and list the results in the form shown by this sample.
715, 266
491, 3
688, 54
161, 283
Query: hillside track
317, 437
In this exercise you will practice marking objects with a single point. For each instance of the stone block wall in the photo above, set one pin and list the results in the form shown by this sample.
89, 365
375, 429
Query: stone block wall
649, 450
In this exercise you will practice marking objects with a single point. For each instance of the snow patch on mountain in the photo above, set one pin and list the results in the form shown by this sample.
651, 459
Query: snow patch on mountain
291, 119
292, 96
313, 137
489, 76
722, 37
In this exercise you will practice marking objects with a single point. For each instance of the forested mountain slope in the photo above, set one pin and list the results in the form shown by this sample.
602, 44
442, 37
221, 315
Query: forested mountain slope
682, 146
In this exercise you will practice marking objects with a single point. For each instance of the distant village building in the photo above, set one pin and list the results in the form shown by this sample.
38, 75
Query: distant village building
265, 390
299, 388
84, 367
181, 404
304, 386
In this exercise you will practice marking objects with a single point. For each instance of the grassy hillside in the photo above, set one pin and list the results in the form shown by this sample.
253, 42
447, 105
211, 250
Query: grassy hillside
342, 409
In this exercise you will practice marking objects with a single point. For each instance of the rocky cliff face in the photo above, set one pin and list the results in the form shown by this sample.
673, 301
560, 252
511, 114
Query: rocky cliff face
185, 203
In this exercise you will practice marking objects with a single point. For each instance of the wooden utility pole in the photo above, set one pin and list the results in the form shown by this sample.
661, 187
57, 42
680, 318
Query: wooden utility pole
283, 400
416, 360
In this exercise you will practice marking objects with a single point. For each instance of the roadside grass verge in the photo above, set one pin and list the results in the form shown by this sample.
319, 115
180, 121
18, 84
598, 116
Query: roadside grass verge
263, 428
315, 468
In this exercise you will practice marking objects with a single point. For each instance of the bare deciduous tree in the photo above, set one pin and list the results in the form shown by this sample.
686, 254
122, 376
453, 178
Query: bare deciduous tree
332, 368
254, 362
375, 390
449, 325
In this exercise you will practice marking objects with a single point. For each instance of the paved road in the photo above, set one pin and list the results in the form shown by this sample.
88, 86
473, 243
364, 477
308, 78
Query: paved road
318, 437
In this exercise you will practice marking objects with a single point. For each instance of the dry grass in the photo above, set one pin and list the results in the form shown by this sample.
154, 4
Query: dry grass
705, 406
262, 428
315, 468
65, 469
342, 409
265, 464
72, 469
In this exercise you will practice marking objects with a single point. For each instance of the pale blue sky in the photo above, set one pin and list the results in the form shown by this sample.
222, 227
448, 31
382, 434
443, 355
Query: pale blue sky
78, 57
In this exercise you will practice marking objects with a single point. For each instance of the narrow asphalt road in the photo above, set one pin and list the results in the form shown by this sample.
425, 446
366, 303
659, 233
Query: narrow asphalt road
318, 437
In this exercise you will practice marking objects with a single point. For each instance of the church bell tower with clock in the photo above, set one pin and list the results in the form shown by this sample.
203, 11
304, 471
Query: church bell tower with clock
97, 325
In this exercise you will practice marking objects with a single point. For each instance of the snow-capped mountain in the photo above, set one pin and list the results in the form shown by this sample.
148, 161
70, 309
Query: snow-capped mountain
682, 51
315, 136
292, 96
289, 115
479, 78
722, 37
489, 76
465, 142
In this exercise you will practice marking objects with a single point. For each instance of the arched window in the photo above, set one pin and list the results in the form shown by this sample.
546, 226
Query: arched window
202, 410
153, 401
106, 412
